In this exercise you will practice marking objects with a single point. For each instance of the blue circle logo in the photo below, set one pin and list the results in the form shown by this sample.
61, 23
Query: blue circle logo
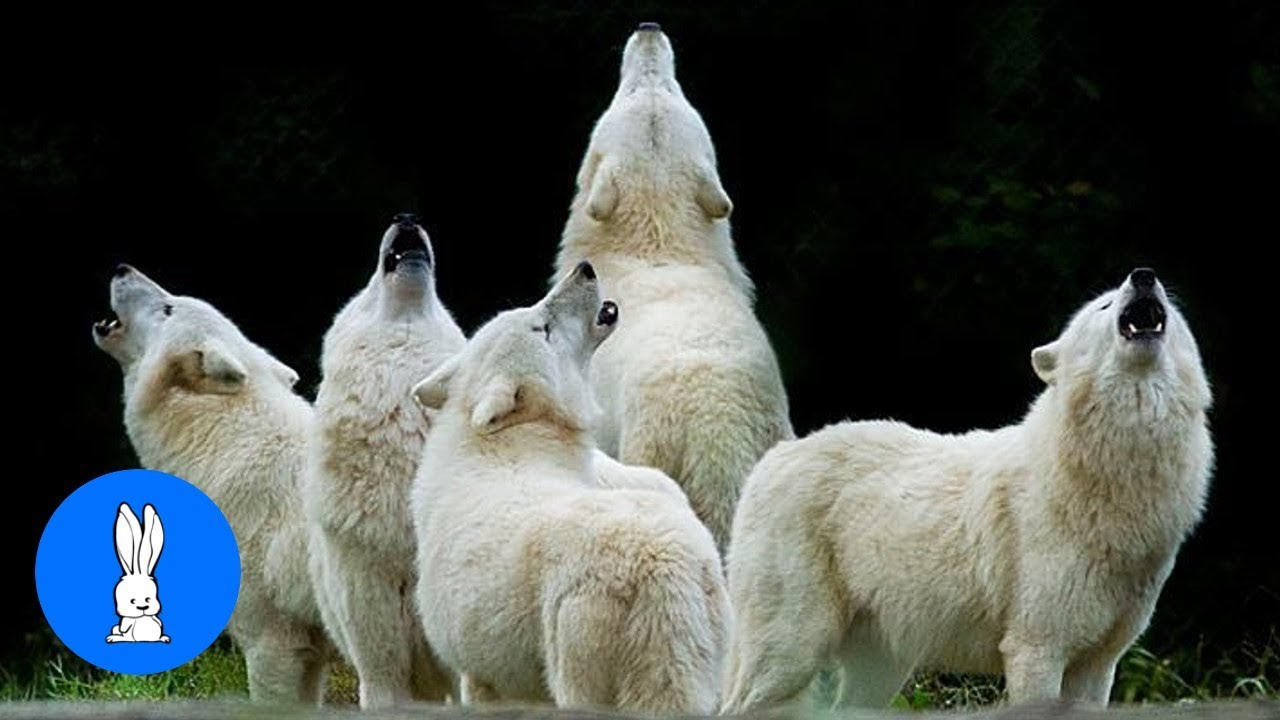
138, 572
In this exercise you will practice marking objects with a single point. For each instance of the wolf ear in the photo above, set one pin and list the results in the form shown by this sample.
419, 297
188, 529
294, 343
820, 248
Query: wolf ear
1044, 360
711, 196
222, 372
284, 372
211, 369
495, 403
432, 392
602, 197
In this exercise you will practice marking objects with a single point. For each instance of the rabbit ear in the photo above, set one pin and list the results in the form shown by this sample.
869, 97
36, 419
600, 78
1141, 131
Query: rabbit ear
128, 537
152, 540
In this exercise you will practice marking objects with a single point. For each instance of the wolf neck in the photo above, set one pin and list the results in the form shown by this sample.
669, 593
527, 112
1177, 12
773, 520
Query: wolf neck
407, 301
651, 75
1130, 447
370, 362
192, 435
651, 231
650, 228
561, 450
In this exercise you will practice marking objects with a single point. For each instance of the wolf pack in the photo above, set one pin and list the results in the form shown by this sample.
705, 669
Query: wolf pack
599, 501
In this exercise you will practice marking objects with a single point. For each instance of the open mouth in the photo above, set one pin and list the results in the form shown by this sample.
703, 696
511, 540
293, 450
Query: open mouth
407, 247
1143, 318
608, 314
143, 608
107, 325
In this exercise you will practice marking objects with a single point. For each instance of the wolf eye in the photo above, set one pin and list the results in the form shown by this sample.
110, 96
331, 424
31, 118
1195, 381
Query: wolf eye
545, 329
168, 309
1104, 307
133, 600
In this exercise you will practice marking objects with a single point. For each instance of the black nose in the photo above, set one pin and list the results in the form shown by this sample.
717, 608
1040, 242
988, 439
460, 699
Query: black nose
648, 27
1143, 278
585, 268
405, 219
121, 270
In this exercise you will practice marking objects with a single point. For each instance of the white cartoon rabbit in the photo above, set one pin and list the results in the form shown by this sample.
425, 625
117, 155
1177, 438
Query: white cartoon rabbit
137, 601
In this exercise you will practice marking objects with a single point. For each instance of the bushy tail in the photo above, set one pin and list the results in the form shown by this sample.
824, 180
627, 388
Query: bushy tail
677, 635
707, 440
717, 460
658, 650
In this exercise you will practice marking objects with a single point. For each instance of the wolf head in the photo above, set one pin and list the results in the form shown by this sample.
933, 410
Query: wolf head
392, 332
185, 342
651, 145
1133, 333
528, 364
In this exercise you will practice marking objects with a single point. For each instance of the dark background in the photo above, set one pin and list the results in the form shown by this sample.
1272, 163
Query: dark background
922, 194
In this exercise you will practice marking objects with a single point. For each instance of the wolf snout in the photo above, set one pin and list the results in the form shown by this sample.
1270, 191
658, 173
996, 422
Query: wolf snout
106, 325
1143, 278
121, 269
648, 27
608, 314
408, 244
1143, 317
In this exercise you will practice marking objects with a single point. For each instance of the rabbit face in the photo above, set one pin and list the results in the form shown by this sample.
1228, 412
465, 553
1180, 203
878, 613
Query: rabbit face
137, 596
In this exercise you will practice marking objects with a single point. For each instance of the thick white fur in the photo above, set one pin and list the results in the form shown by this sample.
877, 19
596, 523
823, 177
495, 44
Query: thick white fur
689, 384
1038, 549
204, 403
363, 457
537, 580
616, 476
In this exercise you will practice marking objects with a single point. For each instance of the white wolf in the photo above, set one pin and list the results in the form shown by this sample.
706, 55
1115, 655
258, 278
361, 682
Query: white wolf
364, 454
204, 403
689, 384
1038, 549
536, 581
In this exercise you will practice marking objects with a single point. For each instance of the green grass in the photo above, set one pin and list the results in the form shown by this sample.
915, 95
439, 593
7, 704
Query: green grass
1249, 670
56, 673
52, 672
